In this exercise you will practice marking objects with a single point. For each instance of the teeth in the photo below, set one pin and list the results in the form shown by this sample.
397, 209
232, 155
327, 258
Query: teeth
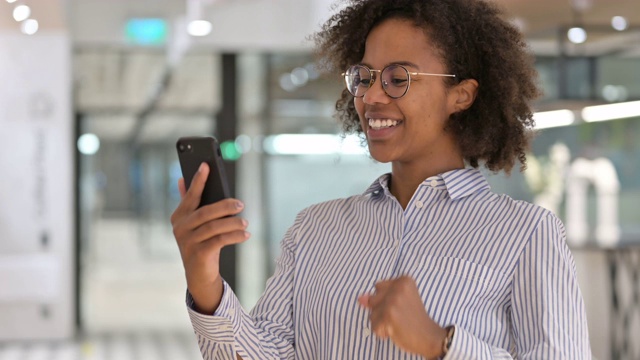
377, 124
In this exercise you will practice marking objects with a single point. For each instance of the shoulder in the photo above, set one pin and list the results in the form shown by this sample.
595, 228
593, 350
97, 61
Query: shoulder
336, 207
545, 232
337, 213
522, 234
525, 212
351, 203
316, 222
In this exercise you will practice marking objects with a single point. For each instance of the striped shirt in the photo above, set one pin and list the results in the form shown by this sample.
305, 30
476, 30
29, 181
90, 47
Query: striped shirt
496, 268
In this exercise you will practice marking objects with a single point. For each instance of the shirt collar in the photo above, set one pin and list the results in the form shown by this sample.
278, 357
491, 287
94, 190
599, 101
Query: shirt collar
458, 183
379, 186
461, 183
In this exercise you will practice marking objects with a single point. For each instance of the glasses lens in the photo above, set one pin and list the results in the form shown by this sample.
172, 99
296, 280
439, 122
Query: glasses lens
358, 79
395, 81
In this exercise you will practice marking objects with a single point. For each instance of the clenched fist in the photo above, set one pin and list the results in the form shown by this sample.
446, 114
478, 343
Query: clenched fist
397, 312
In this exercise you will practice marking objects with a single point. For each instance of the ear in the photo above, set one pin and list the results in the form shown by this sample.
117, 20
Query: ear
462, 96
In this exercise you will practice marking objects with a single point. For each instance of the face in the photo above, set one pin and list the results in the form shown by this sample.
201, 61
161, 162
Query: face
418, 118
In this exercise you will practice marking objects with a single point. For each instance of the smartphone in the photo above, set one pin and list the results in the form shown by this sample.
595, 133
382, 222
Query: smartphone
193, 151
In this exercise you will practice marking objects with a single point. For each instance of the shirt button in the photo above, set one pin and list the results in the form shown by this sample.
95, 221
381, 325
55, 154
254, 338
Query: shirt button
366, 332
419, 204
434, 183
232, 312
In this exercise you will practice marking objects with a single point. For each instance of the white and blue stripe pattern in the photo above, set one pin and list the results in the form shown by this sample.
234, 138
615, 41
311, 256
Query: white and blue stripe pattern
497, 268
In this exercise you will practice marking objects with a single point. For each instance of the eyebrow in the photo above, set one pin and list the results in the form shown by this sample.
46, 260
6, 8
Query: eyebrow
404, 63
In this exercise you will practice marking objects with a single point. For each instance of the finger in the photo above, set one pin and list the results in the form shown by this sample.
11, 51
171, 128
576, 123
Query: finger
182, 188
206, 251
192, 197
379, 326
236, 237
218, 227
388, 329
220, 241
380, 323
382, 286
218, 210
376, 299
363, 300
179, 212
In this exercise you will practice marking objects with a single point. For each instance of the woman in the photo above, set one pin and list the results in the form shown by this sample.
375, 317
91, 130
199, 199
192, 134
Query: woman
428, 262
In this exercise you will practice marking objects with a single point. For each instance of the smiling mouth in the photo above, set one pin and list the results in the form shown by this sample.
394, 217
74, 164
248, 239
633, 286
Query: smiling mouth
379, 124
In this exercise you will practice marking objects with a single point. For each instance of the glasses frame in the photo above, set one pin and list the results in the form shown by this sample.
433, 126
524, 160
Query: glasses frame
374, 78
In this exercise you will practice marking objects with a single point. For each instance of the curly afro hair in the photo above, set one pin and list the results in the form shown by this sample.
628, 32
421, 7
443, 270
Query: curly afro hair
474, 42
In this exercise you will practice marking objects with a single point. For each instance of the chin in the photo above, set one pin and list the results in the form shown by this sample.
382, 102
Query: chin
380, 156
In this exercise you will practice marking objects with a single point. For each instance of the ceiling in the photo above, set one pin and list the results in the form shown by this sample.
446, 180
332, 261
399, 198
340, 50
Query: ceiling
539, 16
544, 22
111, 73
284, 24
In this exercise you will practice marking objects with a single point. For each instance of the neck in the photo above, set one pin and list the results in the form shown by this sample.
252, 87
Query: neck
406, 177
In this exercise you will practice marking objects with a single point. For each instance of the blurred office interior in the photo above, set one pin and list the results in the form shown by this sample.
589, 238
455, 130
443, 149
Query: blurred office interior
95, 93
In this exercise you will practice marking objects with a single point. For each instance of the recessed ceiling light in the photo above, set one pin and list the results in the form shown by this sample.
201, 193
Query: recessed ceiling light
199, 28
29, 26
577, 35
88, 144
21, 12
619, 23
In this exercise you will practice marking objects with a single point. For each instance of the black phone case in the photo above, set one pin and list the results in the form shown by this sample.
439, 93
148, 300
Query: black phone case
193, 151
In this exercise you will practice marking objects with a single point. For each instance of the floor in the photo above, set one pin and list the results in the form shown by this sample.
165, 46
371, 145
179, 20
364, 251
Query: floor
149, 346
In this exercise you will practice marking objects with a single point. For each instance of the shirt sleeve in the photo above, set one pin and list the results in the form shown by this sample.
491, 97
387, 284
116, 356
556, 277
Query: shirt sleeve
547, 308
265, 333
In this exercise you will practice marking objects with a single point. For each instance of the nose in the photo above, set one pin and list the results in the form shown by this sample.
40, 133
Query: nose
376, 94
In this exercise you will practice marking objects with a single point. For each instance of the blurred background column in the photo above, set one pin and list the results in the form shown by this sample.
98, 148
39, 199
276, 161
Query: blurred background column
37, 287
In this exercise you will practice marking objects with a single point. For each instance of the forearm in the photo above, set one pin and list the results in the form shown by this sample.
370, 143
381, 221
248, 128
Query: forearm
231, 333
466, 346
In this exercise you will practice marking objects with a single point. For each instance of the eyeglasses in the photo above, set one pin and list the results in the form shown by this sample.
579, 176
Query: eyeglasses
396, 79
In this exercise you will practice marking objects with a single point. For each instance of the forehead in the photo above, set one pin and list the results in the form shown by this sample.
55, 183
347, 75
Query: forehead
398, 40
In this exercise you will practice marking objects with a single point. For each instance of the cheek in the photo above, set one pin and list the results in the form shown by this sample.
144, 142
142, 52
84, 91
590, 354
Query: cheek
359, 104
426, 112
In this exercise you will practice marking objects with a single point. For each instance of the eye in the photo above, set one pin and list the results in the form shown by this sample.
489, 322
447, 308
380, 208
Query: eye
398, 81
363, 82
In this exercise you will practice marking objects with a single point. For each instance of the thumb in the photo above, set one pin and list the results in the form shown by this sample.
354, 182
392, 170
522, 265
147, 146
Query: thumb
182, 188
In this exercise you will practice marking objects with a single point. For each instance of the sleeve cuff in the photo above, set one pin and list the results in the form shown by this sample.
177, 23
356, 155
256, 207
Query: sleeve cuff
467, 346
223, 323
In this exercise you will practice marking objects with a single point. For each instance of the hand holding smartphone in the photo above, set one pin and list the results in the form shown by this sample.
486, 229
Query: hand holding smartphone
203, 233
193, 151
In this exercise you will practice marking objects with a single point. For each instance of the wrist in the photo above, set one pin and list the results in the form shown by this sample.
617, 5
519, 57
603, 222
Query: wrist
207, 297
433, 348
448, 340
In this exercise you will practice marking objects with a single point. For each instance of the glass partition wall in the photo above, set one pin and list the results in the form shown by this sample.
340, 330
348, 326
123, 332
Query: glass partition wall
289, 154
131, 276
